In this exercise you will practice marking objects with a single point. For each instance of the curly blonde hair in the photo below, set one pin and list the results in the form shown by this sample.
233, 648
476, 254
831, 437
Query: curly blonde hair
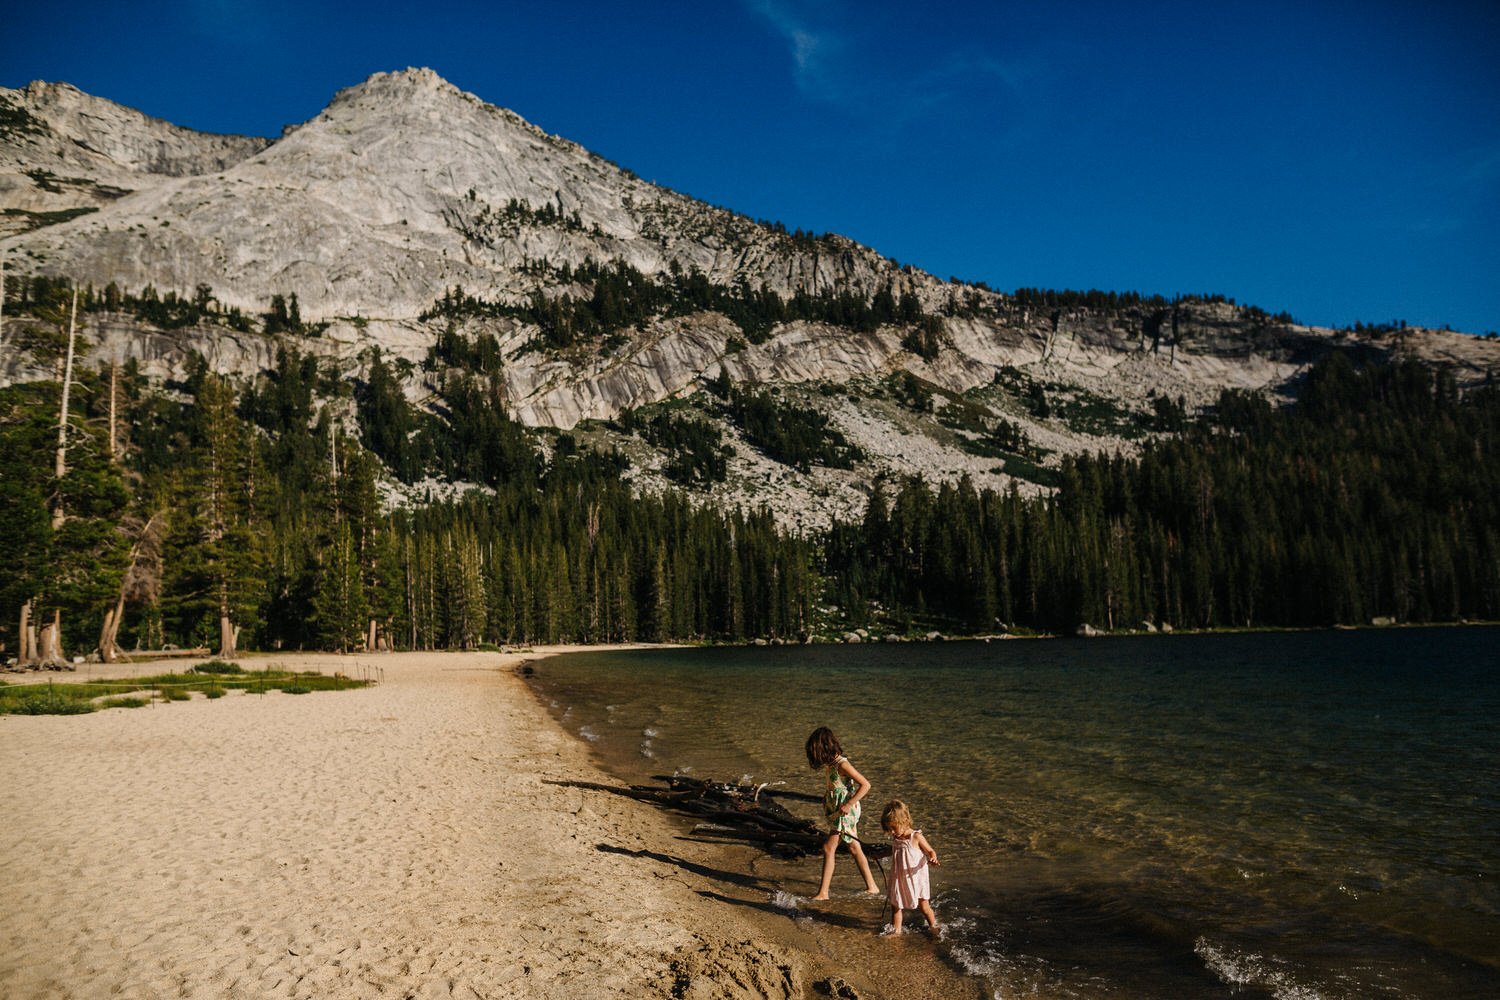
895, 818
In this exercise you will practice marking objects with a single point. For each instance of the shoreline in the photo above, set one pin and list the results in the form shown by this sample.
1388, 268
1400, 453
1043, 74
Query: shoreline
840, 937
400, 839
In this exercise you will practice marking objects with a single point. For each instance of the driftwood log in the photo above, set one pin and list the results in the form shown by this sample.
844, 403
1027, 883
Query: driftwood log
748, 813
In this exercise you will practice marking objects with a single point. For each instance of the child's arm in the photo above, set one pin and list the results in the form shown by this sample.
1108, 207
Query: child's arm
848, 771
926, 849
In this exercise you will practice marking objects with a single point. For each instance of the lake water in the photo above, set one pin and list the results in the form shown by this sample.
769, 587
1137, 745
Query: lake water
1293, 815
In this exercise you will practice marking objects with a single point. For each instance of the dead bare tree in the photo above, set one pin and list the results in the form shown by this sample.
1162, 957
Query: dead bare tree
49, 651
140, 584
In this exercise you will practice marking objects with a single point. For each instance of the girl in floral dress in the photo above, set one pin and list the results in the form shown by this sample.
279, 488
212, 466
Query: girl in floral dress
846, 786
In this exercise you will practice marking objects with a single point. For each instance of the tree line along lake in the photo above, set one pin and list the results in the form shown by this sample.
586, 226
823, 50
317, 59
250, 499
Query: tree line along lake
1308, 814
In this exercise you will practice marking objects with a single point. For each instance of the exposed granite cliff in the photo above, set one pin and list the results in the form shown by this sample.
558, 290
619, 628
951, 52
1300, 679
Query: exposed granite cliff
405, 186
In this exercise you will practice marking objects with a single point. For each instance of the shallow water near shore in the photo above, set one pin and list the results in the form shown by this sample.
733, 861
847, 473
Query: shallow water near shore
1294, 815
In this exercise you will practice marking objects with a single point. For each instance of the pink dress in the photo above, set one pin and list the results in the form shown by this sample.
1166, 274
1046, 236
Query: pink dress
908, 873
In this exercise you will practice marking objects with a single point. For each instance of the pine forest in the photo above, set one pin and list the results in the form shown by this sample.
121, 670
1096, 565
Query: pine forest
251, 514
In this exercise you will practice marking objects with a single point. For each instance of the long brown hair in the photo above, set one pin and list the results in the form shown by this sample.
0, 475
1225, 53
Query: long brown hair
823, 748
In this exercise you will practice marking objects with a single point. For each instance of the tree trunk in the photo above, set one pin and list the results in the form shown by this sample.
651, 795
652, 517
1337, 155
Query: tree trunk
228, 636
109, 646
26, 647
114, 379
50, 651
61, 465
370, 637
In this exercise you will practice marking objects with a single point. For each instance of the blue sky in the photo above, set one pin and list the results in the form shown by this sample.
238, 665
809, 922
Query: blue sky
1337, 160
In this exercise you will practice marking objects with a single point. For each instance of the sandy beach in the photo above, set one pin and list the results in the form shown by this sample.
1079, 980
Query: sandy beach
399, 840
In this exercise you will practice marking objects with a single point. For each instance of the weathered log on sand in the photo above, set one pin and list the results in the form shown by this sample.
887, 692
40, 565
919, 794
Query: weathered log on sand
161, 654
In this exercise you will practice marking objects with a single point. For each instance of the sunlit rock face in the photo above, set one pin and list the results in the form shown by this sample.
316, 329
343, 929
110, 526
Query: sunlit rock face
405, 187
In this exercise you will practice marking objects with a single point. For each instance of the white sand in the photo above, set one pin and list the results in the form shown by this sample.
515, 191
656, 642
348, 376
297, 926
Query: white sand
393, 841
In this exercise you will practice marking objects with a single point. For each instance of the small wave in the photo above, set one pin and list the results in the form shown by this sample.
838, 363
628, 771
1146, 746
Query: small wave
1251, 970
685, 769
647, 752
649, 733
610, 708
783, 900
588, 734
981, 960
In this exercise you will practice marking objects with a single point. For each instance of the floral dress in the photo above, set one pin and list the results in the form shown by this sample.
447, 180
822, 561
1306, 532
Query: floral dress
840, 790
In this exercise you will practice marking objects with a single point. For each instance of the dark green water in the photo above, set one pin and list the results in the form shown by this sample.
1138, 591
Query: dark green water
1291, 815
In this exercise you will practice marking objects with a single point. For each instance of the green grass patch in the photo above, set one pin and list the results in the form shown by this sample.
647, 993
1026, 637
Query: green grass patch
125, 701
44, 699
76, 698
216, 667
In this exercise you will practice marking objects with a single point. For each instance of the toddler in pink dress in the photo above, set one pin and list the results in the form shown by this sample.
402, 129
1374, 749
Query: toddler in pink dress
910, 855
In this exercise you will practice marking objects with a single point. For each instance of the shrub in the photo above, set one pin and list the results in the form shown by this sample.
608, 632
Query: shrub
217, 667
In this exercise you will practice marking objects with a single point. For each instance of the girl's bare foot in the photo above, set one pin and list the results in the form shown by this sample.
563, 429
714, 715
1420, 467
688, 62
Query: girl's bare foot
822, 897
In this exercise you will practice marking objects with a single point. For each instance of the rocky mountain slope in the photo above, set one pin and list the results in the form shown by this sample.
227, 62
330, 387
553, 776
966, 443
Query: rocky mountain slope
405, 187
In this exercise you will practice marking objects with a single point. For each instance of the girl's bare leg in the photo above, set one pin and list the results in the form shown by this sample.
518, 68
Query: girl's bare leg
864, 867
830, 849
926, 909
896, 921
